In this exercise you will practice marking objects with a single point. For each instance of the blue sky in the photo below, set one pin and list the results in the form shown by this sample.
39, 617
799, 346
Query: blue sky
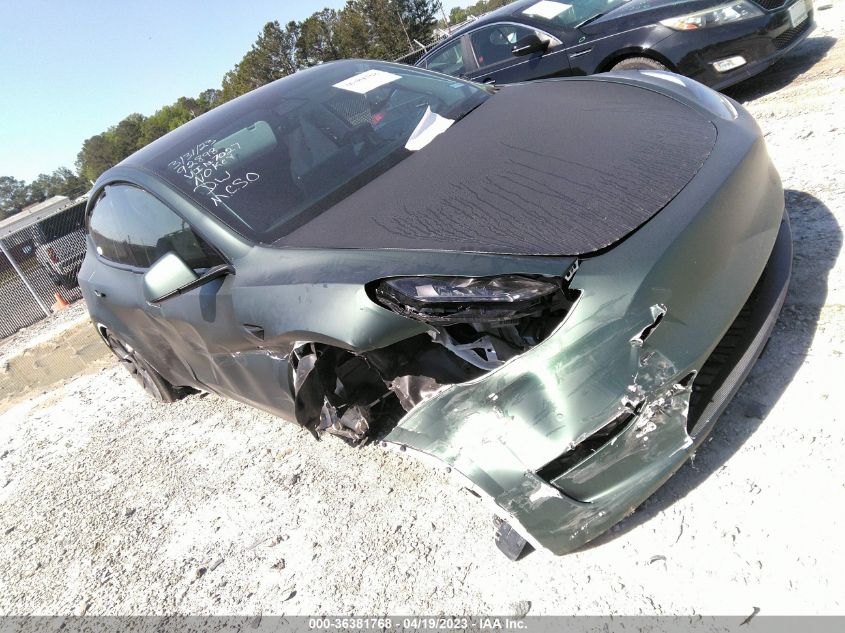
69, 69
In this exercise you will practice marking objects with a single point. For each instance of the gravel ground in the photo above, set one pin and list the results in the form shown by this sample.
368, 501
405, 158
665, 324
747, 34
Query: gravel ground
41, 331
112, 504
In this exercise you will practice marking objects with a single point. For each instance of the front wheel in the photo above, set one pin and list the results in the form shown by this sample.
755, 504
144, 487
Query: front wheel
143, 373
639, 63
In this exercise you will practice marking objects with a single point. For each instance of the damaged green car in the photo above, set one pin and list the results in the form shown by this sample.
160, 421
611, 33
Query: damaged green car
551, 289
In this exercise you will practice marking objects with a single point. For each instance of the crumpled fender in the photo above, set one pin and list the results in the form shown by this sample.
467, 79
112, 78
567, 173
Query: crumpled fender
698, 260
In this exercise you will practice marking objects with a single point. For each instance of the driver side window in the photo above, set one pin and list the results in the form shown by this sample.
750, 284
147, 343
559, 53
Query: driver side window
132, 227
493, 44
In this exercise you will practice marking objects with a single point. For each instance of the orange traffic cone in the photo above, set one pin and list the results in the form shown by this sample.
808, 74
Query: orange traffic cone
60, 304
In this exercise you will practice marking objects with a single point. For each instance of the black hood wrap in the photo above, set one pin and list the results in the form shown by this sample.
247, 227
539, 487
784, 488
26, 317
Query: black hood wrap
548, 168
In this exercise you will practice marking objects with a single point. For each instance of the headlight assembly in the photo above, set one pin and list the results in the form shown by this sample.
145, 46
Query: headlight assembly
464, 299
725, 14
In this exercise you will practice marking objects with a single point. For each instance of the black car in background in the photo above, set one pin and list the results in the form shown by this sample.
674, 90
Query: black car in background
715, 42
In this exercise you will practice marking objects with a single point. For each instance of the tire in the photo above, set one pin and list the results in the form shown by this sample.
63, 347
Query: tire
639, 63
150, 380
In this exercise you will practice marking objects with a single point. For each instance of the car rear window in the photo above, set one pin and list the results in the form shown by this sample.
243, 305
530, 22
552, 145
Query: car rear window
270, 161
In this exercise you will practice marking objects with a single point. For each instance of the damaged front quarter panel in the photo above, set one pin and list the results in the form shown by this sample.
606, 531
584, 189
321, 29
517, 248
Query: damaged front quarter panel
507, 432
613, 380
620, 367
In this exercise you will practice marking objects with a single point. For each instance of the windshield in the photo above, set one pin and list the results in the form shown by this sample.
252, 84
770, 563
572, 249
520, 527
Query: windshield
571, 13
267, 163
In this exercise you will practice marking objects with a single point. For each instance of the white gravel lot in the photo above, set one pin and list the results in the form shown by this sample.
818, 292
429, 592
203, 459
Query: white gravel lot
112, 504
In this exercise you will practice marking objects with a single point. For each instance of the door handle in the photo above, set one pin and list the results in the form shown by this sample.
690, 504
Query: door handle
488, 80
100, 294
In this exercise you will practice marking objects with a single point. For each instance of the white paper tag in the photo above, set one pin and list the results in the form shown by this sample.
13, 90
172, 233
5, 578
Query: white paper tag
368, 80
430, 126
547, 9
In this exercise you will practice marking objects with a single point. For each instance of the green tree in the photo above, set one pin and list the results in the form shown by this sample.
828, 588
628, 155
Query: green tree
105, 150
98, 153
352, 35
419, 17
14, 195
387, 30
271, 57
178, 113
62, 182
126, 135
315, 43
458, 15
209, 99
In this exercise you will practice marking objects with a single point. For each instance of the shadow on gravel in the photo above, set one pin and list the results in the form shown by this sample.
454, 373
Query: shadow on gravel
784, 71
813, 258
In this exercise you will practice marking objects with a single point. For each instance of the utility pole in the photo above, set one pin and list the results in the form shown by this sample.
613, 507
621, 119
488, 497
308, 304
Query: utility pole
404, 30
445, 19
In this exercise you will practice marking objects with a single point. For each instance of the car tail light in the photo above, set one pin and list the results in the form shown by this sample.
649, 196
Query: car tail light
52, 255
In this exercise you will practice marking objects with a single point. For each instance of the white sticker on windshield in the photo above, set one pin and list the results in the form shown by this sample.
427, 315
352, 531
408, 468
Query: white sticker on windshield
431, 125
547, 9
363, 82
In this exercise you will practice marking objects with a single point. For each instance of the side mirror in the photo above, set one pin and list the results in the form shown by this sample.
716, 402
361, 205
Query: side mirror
170, 277
528, 44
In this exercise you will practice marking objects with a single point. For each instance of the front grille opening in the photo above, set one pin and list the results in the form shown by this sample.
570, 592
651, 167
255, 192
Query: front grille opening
720, 363
770, 5
787, 37
582, 451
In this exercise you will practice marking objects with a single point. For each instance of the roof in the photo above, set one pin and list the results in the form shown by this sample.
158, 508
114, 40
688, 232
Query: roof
46, 204
35, 213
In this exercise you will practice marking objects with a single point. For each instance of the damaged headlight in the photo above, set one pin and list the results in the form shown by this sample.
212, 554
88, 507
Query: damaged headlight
732, 12
465, 299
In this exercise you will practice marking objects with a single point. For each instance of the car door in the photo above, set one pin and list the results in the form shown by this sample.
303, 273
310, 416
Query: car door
193, 338
495, 62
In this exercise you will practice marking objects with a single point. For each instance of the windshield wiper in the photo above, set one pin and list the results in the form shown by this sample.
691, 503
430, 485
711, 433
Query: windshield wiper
588, 20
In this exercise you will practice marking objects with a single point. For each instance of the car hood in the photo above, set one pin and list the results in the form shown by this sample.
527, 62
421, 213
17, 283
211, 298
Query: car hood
564, 167
637, 13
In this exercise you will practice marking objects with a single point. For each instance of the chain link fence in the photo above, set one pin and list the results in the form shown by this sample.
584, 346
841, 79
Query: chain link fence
40, 257
439, 35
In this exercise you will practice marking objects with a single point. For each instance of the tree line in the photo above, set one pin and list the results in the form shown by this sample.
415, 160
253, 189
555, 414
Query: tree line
459, 14
372, 29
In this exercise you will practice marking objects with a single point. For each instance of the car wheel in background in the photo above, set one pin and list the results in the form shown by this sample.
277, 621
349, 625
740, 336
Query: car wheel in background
639, 63
143, 373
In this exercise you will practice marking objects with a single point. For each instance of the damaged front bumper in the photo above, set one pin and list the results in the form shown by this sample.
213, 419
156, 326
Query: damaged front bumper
645, 361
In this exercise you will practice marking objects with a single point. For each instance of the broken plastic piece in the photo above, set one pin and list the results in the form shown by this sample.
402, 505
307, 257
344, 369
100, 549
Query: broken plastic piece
509, 542
411, 390
334, 391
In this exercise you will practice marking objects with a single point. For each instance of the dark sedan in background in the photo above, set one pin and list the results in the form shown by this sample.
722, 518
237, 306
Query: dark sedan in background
714, 42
